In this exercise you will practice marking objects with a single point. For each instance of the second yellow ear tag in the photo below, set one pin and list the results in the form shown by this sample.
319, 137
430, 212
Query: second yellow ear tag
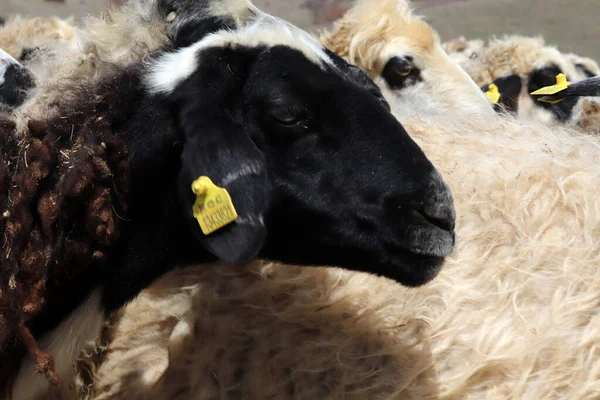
561, 84
213, 208
492, 93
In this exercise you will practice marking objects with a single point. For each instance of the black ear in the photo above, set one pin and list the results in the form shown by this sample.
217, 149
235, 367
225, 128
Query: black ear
195, 30
547, 77
542, 77
209, 106
510, 88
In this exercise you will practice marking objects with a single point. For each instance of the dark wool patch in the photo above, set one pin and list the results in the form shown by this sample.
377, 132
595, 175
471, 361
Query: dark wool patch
63, 185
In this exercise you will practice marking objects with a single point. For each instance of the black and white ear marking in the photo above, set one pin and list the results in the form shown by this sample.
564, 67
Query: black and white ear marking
15, 81
204, 82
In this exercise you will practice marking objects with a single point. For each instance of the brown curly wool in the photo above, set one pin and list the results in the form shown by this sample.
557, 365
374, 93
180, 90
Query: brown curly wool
63, 185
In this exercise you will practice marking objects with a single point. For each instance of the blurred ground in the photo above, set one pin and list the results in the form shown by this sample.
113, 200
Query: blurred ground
572, 25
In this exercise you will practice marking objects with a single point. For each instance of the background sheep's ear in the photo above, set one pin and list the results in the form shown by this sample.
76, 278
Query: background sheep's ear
195, 30
510, 89
218, 145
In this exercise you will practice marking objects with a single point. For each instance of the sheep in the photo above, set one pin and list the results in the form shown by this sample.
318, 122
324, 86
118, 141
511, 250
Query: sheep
268, 99
536, 64
404, 56
514, 313
21, 36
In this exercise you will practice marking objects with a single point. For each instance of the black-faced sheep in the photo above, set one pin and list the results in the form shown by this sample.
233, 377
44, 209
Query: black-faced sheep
404, 56
513, 314
303, 142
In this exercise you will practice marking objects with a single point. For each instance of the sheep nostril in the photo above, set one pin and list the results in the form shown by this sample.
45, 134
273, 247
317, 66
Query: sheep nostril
442, 217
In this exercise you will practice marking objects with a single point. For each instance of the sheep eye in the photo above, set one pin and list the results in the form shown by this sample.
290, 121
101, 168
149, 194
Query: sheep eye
403, 71
286, 117
400, 72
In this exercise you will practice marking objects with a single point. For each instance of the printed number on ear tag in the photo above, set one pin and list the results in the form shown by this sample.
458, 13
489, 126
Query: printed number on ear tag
213, 208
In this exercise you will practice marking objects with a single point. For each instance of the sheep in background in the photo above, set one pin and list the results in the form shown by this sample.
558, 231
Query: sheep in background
266, 136
121, 36
537, 64
404, 56
470, 55
20, 36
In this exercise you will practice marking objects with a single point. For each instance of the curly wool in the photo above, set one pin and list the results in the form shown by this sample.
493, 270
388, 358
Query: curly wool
61, 188
514, 313
63, 183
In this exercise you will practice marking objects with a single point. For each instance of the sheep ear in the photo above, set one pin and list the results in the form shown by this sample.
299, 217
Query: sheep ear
193, 31
509, 88
217, 145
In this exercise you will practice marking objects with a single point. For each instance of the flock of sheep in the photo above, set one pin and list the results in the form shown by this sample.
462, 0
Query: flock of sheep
379, 174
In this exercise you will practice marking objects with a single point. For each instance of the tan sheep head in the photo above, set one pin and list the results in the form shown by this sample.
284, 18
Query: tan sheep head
404, 56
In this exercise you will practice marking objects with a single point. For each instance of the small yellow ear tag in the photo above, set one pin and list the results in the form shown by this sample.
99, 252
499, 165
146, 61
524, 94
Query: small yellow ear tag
213, 208
492, 93
561, 84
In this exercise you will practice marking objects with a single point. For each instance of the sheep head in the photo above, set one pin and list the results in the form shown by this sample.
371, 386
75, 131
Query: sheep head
404, 56
319, 170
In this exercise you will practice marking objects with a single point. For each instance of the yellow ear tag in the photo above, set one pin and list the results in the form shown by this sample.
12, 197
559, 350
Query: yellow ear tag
213, 208
561, 84
492, 93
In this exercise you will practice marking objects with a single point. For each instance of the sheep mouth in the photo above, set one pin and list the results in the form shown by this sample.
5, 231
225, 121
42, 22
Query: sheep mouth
433, 242
420, 259
410, 268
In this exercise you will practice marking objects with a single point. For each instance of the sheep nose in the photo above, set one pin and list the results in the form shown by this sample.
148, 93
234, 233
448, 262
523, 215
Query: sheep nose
441, 215
438, 208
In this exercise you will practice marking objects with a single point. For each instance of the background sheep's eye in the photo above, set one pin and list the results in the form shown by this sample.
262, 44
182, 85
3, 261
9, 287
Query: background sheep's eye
400, 72
403, 70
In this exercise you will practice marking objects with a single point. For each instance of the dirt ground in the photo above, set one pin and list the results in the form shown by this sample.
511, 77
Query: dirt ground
572, 25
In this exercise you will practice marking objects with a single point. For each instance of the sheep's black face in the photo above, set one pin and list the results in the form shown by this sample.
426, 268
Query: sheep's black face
351, 188
509, 88
319, 170
547, 77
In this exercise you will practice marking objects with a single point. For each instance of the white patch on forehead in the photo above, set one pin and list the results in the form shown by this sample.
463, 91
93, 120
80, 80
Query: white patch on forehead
172, 68
269, 30
5, 60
